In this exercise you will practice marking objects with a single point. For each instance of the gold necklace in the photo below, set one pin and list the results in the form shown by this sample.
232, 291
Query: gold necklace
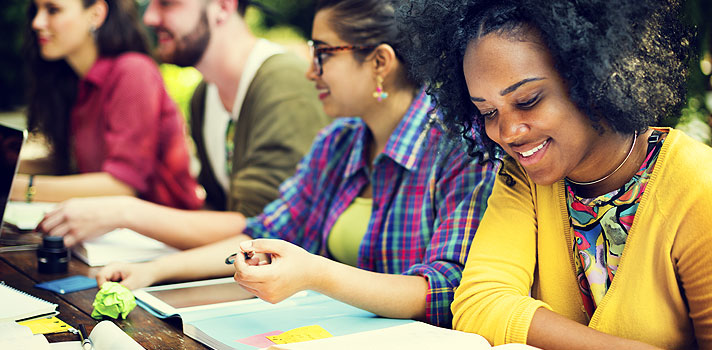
635, 137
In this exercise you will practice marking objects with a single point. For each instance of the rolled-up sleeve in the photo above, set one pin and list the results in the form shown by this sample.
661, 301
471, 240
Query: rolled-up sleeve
460, 199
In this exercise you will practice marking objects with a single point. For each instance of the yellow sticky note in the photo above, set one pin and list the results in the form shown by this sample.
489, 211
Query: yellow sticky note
300, 334
46, 325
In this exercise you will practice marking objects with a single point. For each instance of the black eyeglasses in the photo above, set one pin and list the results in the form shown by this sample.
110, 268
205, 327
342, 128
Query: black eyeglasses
317, 53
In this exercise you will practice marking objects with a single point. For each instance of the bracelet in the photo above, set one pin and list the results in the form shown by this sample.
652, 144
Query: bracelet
30, 192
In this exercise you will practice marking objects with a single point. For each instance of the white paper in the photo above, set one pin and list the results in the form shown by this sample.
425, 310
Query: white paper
26, 216
17, 337
107, 336
120, 245
412, 336
16, 305
66, 345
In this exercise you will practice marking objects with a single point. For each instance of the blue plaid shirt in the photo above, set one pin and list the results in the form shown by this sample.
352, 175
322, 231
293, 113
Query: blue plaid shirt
428, 198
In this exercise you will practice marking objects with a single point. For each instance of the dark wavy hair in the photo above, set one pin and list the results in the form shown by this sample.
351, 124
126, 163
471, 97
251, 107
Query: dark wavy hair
366, 22
624, 62
53, 84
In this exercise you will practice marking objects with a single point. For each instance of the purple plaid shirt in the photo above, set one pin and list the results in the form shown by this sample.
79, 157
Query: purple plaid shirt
428, 199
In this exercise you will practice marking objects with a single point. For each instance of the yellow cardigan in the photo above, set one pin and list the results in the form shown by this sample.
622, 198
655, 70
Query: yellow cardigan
662, 292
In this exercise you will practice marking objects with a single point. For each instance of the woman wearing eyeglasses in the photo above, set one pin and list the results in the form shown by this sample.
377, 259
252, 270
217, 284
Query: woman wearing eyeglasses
380, 213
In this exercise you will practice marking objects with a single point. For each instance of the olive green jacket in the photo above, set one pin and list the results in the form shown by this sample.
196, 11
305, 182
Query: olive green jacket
279, 118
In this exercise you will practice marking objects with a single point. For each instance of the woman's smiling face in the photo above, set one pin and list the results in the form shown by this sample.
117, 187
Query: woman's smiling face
346, 85
62, 27
526, 107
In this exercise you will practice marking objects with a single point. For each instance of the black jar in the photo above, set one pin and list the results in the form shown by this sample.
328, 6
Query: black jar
52, 255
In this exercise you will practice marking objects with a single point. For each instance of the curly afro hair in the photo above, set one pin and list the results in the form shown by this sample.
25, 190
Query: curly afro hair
625, 62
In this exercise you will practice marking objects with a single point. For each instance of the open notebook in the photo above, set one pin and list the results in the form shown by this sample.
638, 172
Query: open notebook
104, 336
16, 305
229, 324
412, 336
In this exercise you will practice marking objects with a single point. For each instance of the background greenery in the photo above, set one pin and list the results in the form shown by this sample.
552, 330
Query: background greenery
289, 22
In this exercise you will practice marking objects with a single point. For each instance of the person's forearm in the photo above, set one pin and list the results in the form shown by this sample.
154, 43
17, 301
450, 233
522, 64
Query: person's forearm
552, 331
36, 166
396, 296
60, 188
183, 229
198, 263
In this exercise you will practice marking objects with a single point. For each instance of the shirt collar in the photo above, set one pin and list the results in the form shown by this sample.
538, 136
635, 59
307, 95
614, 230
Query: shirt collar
98, 72
358, 158
405, 143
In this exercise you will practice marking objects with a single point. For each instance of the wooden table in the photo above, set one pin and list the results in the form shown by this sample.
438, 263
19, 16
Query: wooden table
19, 270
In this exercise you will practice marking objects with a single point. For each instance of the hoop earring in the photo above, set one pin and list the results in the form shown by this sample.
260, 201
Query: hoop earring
379, 94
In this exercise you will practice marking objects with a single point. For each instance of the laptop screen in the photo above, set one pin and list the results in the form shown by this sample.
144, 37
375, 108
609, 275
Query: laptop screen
11, 140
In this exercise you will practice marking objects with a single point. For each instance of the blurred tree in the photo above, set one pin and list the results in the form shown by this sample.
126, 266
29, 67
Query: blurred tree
12, 87
699, 14
696, 117
298, 14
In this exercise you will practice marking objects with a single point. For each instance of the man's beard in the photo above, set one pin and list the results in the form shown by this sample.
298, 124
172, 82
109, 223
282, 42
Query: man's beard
189, 49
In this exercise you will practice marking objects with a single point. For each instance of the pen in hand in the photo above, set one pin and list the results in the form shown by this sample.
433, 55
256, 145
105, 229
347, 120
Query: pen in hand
86, 342
248, 256
231, 259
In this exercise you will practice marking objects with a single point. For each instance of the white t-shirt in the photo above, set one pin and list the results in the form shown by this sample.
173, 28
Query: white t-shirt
217, 117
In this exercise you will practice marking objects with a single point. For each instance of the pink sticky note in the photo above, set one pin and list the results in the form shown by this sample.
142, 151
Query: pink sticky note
259, 340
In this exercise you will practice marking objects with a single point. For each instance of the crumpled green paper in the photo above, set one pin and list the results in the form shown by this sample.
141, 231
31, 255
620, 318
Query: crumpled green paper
113, 300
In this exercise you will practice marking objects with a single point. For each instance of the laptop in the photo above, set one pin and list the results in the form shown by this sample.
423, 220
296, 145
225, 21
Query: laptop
11, 141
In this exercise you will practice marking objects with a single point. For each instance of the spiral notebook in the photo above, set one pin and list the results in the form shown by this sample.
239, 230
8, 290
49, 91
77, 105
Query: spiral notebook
16, 305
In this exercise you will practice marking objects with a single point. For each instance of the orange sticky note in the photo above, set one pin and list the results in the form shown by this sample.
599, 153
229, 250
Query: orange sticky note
300, 334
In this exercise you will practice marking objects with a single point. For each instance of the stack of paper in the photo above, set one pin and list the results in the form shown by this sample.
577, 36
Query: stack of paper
120, 245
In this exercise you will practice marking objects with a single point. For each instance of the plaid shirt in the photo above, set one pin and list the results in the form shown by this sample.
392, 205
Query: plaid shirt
428, 199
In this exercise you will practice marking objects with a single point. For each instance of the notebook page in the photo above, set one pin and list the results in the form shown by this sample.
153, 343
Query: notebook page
17, 305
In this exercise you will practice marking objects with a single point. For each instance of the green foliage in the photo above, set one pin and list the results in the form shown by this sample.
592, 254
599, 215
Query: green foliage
257, 21
180, 84
296, 14
696, 116
12, 82
701, 20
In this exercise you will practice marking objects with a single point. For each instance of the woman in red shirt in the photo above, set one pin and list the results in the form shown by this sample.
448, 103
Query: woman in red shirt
99, 100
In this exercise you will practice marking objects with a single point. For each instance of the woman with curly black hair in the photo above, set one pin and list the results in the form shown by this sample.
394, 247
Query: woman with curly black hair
597, 219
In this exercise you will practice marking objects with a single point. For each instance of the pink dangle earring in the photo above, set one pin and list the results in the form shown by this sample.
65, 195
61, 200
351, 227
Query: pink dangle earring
379, 94
92, 31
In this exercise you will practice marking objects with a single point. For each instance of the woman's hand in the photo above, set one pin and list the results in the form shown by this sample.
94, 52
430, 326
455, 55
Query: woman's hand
80, 219
131, 276
275, 269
